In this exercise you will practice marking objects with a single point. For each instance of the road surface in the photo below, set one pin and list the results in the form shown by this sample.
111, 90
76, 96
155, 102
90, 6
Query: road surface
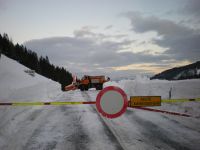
82, 127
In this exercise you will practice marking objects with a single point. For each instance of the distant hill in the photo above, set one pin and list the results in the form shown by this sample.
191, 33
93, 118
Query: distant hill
191, 71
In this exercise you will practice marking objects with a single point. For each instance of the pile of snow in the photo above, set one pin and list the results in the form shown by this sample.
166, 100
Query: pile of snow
16, 84
143, 86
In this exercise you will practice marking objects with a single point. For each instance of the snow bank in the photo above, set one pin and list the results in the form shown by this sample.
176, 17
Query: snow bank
143, 86
15, 84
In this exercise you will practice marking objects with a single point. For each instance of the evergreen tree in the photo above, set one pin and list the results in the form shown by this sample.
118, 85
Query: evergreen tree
30, 59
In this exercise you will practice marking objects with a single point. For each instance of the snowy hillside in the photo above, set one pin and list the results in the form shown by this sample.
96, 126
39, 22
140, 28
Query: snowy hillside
16, 84
185, 72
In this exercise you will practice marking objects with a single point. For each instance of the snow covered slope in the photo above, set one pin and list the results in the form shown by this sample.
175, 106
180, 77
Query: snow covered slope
186, 72
15, 84
143, 86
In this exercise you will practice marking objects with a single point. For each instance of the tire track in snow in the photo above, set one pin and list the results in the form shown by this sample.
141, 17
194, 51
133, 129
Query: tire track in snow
5, 119
22, 131
82, 134
34, 141
78, 138
154, 134
33, 126
135, 131
75, 137
112, 136
62, 129
11, 130
42, 116
182, 125
35, 118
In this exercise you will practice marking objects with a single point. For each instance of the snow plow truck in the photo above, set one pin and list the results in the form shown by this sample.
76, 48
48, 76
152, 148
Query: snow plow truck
87, 82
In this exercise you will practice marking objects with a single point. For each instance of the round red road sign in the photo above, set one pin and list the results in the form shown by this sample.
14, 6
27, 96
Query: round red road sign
111, 102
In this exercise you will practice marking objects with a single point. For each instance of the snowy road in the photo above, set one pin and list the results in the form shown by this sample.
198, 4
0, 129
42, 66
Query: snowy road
81, 127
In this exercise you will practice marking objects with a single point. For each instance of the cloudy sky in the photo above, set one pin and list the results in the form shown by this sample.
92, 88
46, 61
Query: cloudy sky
113, 37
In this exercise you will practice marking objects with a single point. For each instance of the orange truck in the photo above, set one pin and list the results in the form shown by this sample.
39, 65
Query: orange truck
88, 82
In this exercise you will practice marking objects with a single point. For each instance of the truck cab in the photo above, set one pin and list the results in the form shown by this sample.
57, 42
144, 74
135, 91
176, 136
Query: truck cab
88, 82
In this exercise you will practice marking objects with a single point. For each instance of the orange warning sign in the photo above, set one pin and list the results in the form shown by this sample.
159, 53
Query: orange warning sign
145, 101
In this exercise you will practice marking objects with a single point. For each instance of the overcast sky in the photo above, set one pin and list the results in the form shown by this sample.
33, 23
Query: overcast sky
113, 37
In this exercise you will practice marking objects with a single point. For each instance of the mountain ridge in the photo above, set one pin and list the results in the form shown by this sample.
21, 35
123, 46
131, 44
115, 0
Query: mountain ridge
191, 71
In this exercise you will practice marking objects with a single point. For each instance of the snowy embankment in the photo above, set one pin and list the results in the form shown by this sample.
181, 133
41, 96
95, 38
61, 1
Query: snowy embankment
188, 89
81, 127
15, 84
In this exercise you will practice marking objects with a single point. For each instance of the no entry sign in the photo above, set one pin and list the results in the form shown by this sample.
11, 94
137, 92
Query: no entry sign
111, 102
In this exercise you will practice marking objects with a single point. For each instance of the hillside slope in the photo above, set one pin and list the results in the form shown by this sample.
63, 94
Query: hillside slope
16, 84
191, 71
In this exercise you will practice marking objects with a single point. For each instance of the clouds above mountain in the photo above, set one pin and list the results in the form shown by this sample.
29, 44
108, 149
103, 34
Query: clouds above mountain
135, 41
181, 41
89, 51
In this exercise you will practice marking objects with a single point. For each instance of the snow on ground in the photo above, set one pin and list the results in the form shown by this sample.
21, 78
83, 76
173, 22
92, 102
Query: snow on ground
46, 127
138, 129
18, 86
15, 84
81, 127
143, 86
